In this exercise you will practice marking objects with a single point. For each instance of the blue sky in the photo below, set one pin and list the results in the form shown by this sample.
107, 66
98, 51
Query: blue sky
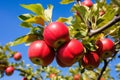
10, 29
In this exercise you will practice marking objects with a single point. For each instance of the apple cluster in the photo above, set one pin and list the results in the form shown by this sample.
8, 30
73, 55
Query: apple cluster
67, 51
9, 69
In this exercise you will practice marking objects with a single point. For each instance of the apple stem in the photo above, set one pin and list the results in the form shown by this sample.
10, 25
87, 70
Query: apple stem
111, 23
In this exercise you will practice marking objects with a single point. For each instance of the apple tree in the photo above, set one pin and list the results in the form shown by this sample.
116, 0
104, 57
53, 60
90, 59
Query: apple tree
81, 42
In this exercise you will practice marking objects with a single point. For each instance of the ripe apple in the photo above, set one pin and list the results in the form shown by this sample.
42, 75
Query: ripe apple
102, 12
9, 70
62, 64
17, 56
87, 3
106, 48
90, 60
24, 78
52, 75
102, 78
70, 52
40, 53
77, 77
55, 34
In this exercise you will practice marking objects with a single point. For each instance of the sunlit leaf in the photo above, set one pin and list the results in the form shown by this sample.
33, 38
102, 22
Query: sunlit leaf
81, 10
67, 20
66, 1
116, 2
48, 12
117, 67
25, 16
109, 15
36, 8
24, 39
26, 25
36, 19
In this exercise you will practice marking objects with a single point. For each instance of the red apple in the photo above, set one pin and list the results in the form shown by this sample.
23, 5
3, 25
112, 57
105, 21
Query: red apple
102, 78
77, 77
9, 70
70, 52
91, 60
105, 48
55, 34
40, 53
87, 3
102, 12
61, 64
24, 78
52, 75
17, 56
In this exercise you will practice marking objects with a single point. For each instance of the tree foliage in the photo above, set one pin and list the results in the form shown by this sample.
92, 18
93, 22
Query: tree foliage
86, 25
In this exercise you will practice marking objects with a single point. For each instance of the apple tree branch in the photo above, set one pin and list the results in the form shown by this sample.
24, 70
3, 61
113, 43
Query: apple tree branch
106, 62
111, 23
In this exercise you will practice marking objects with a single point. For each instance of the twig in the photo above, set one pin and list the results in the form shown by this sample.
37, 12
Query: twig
106, 62
89, 26
111, 23
103, 69
21, 70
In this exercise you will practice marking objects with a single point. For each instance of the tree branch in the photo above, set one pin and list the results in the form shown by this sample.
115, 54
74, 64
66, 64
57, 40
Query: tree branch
106, 62
111, 23
103, 69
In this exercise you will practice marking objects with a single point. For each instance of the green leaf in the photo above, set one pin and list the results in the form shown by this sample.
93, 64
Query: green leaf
36, 19
116, 2
67, 20
81, 10
109, 15
36, 8
26, 25
48, 13
25, 16
24, 39
66, 1
118, 67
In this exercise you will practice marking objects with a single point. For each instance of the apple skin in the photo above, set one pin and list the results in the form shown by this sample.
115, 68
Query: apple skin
40, 53
62, 64
91, 60
102, 12
9, 70
102, 78
106, 48
24, 78
70, 52
52, 75
87, 3
17, 56
55, 34
77, 77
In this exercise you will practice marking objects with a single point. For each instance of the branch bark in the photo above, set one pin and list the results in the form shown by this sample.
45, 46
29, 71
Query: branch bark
111, 23
103, 69
106, 62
